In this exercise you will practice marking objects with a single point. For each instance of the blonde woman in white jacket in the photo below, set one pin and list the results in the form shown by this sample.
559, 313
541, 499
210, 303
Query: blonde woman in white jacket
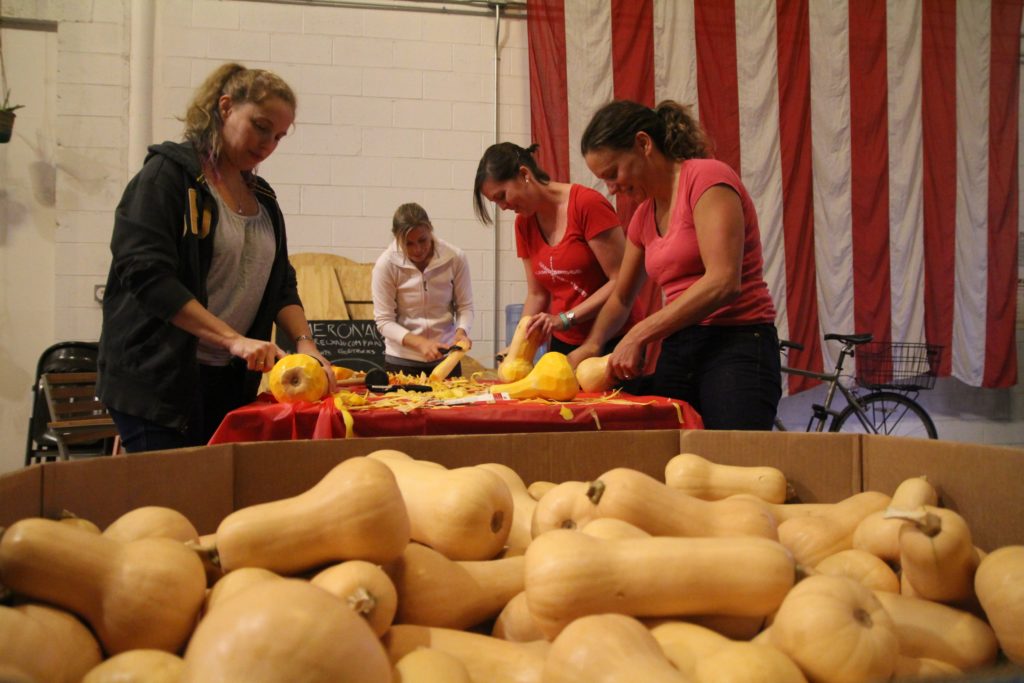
422, 295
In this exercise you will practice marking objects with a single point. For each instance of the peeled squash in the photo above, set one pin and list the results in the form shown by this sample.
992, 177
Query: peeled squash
298, 377
593, 376
552, 378
519, 361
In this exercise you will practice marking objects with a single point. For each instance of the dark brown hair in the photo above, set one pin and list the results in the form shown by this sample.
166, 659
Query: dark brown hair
499, 163
672, 127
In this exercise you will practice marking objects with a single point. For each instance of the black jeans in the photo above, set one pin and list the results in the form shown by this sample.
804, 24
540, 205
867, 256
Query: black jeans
220, 392
729, 374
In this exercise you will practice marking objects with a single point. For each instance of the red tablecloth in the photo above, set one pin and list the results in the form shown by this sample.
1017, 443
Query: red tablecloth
267, 420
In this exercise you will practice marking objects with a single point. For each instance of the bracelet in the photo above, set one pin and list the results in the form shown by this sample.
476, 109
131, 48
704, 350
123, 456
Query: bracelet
303, 337
565, 320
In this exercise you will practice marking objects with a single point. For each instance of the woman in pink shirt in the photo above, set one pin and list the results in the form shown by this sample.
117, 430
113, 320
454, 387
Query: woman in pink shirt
696, 233
567, 235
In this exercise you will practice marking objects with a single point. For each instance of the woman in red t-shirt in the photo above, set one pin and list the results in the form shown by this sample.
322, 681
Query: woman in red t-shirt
695, 233
568, 237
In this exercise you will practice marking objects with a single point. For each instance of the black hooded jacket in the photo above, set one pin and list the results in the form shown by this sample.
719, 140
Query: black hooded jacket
162, 247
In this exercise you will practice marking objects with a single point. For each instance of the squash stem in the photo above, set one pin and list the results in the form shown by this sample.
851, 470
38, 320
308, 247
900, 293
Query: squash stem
927, 522
362, 601
595, 491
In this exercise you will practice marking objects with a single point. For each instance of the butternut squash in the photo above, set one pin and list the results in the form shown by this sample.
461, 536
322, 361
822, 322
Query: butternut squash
355, 512
445, 367
608, 648
880, 536
593, 374
366, 588
141, 594
564, 506
708, 657
701, 478
523, 505
935, 631
551, 378
743, 662
435, 591
937, 556
427, 665
138, 666
515, 622
518, 359
464, 513
730, 626
610, 527
235, 582
836, 631
45, 644
537, 489
862, 567
921, 668
298, 377
787, 511
68, 517
152, 521
487, 659
645, 502
999, 583
287, 630
570, 574
812, 538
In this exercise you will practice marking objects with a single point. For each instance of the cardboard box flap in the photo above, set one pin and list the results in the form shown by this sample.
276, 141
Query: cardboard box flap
820, 468
20, 493
982, 483
193, 481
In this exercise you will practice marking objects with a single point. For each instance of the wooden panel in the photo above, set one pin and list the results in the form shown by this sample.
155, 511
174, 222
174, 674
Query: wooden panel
321, 293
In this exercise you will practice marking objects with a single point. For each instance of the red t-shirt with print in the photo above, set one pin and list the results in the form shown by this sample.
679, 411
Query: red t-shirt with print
569, 270
674, 260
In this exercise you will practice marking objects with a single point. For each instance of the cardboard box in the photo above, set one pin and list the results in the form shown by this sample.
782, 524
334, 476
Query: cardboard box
205, 484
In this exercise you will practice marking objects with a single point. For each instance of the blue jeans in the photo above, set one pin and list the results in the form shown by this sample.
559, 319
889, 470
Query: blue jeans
220, 391
729, 374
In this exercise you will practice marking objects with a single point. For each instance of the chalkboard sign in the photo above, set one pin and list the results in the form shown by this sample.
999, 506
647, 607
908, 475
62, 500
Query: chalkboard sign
354, 344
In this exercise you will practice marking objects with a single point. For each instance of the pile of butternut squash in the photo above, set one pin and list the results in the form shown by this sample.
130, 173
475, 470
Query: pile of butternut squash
392, 569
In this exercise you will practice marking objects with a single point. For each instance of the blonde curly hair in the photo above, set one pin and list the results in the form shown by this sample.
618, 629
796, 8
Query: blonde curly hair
203, 121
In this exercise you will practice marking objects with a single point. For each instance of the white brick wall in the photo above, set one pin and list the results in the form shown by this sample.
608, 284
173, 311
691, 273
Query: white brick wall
394, 106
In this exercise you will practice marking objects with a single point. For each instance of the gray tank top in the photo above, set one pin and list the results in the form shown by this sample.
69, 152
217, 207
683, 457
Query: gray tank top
243, 254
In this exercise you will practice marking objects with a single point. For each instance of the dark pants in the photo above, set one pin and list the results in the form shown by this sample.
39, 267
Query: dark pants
220, 391
729, 374
556, 344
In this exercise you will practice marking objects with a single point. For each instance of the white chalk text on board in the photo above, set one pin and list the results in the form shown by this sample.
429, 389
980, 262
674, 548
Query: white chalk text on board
354, 344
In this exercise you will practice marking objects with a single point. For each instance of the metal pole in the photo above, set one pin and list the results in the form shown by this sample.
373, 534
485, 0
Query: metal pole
494, 207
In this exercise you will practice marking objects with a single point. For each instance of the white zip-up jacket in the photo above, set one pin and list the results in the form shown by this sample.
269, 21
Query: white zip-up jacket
433, 303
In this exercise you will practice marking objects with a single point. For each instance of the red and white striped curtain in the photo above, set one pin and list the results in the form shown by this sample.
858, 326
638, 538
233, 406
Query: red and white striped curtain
878, 138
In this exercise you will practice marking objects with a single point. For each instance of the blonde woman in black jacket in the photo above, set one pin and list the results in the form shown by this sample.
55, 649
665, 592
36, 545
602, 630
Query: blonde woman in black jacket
199, 271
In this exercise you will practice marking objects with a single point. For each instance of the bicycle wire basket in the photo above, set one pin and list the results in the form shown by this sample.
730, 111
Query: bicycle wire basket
898, 365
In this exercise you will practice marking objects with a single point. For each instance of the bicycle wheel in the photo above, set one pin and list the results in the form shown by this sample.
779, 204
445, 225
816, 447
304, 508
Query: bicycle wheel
887, 413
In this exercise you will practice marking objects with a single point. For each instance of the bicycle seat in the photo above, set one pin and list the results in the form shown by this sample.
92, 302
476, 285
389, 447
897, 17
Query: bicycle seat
854, 339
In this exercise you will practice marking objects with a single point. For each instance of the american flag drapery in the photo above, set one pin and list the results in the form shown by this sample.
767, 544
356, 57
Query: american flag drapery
878, 138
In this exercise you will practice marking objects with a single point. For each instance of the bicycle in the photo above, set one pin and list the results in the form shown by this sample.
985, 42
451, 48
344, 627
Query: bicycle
892, 372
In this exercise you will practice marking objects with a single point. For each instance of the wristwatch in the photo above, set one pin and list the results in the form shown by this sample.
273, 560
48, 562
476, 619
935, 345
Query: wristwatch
570, 318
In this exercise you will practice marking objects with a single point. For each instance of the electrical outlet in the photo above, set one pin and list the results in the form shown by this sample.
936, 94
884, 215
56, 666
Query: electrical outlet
97, 293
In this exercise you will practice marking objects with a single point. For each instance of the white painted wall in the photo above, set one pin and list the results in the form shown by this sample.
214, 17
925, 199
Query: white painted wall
28, 227
394, 106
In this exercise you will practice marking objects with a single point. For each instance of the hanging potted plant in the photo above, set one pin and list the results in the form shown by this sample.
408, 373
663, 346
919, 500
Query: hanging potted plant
7, 117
